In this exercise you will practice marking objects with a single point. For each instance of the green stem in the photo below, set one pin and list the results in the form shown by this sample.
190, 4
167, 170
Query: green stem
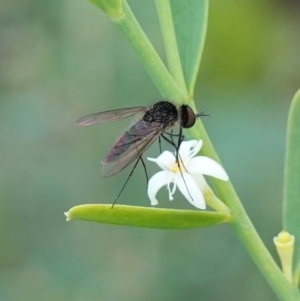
130, 27
244, 229
240, 222
166, 23
213, 202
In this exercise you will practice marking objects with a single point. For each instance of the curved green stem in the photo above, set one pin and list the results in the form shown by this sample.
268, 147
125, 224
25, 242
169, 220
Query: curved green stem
243, 227
240, 222
215, 203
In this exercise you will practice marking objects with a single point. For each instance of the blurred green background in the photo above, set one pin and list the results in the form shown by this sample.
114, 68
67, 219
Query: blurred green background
60, 60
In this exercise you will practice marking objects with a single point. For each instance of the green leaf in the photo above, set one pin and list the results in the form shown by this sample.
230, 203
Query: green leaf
111, 7
146, 217
167, 27
291, 205
190, 22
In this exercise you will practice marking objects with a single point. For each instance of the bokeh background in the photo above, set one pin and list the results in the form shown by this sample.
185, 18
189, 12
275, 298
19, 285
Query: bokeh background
60, 60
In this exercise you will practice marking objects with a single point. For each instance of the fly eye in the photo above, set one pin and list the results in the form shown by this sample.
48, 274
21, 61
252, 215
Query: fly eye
188, 117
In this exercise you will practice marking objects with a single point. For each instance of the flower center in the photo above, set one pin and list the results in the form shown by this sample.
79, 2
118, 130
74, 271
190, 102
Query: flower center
175, 168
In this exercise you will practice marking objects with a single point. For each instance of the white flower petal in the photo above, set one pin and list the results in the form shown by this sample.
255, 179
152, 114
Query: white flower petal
157, 181
201, 182
171, 190
172, 179
206, 166
196, 149
164, 160
191, 191
185, 148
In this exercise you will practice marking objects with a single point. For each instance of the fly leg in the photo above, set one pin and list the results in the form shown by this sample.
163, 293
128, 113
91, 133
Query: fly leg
159, 143
133, 169
180, 139
171, 138
145, 170
171, 141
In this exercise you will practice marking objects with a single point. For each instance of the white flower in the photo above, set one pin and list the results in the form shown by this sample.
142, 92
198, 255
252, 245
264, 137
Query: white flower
188, 177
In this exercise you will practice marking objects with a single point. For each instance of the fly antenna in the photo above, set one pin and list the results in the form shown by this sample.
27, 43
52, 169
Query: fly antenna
201, 114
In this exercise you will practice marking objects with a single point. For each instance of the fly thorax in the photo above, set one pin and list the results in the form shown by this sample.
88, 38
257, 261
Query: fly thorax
162, 112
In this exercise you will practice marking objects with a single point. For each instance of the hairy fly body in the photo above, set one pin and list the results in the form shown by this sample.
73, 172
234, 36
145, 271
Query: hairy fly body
157, 119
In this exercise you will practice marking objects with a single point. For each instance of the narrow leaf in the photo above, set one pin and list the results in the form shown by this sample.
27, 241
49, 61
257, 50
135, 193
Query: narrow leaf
190, 22
291, 206
111, 7
148, 56
146, 217
168, 31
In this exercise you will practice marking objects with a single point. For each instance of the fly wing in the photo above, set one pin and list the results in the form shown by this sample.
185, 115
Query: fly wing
130, 146
108, 116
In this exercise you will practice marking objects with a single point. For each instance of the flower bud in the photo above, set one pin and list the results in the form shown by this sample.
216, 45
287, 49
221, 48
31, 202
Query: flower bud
284, 243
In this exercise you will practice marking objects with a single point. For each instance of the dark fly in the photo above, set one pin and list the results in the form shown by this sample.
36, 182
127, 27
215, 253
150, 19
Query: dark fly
157, 121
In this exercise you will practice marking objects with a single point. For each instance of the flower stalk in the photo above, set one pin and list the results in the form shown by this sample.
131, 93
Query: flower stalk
214, 202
